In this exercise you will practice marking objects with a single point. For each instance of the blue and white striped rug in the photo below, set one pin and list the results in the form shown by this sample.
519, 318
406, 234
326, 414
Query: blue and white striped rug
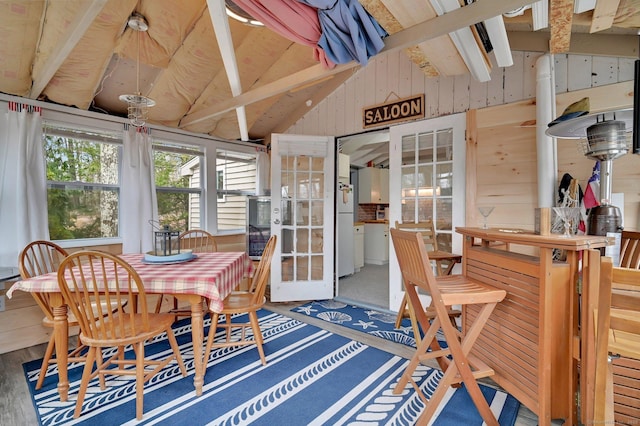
370, 321
312, 377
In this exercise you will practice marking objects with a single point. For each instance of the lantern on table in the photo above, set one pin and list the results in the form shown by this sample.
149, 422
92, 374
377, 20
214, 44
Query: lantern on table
166, 241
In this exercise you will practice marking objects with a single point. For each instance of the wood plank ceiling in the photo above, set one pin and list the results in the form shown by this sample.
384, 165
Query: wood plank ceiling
209, 74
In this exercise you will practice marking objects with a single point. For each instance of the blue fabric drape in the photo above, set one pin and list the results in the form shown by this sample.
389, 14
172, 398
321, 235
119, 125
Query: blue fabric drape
348, 31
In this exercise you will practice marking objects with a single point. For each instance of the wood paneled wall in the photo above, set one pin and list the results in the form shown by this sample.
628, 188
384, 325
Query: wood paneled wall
506, 160
393, 76
506, 157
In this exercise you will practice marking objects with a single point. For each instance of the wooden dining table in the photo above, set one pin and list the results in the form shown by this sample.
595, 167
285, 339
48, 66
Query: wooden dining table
210, 276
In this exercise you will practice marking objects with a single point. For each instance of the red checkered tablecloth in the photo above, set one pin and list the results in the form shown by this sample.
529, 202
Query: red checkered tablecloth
211, 275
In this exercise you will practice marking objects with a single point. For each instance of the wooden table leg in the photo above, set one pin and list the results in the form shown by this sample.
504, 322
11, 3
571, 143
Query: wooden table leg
61, 336
197, 336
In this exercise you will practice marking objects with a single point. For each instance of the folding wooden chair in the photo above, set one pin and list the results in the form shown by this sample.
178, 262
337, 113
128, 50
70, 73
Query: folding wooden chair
630, 250
444, 291
430, 239
617, 321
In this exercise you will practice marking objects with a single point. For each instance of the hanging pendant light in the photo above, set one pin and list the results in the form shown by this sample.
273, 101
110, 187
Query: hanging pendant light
138, 104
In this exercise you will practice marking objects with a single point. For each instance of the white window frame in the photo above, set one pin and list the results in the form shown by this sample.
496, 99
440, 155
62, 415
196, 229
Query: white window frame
73, 131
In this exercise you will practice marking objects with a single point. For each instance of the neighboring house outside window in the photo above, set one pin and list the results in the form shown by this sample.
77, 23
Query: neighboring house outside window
178, 185
236, 173
220, 184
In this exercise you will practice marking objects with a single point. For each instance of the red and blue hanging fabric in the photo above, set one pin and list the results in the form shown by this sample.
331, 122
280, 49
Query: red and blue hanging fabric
349, 33
293, 20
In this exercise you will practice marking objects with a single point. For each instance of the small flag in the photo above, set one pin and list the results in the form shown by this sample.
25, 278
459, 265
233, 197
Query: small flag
592, 193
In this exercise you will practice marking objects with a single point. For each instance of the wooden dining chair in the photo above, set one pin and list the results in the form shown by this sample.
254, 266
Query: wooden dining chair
430, 239
445, 291
617, 321
198, 241
241, 302
84, 274
38, 258
630, 249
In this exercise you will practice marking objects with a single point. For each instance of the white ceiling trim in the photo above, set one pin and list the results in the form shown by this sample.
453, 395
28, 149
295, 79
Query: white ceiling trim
465, 42
219, 19
498, 35
81, 22
540, 12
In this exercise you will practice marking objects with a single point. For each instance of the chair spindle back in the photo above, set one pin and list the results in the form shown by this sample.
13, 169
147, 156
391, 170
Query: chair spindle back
85, 276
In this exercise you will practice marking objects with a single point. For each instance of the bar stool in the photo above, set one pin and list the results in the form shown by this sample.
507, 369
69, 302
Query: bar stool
444, 291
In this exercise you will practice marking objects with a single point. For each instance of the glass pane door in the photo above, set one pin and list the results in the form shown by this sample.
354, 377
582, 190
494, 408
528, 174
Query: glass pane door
302, 205
302, 217
427, 182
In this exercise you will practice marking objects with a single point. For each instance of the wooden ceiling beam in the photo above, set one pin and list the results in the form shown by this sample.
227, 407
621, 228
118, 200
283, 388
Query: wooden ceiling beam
83, 19
444, 24
604, 14
560, 18
620, 45
220, 24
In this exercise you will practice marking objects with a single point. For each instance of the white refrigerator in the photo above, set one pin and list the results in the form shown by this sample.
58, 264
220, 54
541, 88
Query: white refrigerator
344, 230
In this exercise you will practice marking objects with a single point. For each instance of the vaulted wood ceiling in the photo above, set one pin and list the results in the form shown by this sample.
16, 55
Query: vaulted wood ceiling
81, 53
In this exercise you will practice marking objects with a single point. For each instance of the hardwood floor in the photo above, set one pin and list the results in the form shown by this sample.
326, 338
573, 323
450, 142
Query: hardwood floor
16, 407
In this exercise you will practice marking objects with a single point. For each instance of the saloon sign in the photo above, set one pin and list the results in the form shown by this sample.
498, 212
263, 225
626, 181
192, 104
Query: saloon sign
393, 112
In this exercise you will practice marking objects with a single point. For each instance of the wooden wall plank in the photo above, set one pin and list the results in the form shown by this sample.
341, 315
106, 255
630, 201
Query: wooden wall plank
577, 78
350, 105
602, 98
341, 126
513, 79
509, 114
625, 69
370, 84
495, 86
560, 65
478, 93
432, 96
529, 80
445, 95
328, 115
404, 77
418, 81
605, 71
393, 68
359, 97
461, 92
381, 88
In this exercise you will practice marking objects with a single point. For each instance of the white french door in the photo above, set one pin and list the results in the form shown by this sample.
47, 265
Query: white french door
302, 217
427, 182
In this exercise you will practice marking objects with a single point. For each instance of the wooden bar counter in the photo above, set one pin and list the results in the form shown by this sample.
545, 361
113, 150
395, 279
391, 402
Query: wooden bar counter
532, 339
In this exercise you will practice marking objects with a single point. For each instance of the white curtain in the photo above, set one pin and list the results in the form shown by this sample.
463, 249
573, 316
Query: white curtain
23, 181
263, 172
138, 204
